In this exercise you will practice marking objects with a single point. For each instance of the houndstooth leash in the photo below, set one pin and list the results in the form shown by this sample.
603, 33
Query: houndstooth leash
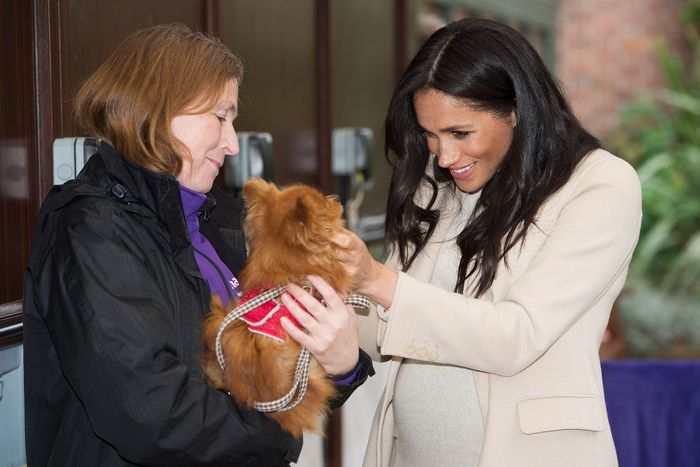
301, 371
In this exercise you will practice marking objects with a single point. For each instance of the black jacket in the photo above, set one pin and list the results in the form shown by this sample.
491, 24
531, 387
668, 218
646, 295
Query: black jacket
113, 303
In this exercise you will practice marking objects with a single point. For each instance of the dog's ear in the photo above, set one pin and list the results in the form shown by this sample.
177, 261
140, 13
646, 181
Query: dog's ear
309, 221
303, 209
256, 189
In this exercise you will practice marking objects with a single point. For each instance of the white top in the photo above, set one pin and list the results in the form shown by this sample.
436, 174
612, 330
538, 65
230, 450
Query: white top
437, 416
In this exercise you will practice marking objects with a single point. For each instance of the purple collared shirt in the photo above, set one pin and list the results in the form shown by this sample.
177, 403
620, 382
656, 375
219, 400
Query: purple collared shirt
221, 280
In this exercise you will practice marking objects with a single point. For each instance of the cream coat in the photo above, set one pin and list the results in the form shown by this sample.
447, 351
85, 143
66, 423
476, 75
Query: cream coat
533, 338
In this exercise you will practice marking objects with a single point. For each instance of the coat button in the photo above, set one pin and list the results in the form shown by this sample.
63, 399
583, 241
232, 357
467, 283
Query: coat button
423, 350
118, 192
410, 349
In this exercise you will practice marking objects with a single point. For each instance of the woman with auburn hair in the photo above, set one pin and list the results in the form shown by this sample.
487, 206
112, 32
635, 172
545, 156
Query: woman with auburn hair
511, 234
124, 263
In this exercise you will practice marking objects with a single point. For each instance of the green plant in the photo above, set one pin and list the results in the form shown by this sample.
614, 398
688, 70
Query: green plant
662, 139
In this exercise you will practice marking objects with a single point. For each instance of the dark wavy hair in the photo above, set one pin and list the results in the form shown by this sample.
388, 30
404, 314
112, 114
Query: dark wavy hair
490, 67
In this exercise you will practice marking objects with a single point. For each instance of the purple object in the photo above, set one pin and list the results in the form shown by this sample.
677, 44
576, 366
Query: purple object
654, 411
221, 280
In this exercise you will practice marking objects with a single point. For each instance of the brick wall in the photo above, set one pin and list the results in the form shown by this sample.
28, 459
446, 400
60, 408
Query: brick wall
605, 53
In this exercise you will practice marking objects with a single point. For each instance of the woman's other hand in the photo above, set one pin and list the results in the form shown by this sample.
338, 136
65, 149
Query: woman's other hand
331, 331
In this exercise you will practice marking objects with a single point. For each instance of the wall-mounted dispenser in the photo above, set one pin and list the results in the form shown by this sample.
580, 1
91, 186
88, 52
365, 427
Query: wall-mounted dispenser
255, 159
351, 151
70, 155
351, 156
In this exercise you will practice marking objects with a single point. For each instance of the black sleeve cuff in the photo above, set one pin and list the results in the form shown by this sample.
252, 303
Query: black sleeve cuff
345, 390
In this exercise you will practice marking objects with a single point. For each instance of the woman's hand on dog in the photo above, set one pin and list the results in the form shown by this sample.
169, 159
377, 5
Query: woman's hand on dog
371, 278
331, 332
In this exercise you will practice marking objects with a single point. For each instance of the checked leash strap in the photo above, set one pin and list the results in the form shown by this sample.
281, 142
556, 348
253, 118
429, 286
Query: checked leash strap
301, 371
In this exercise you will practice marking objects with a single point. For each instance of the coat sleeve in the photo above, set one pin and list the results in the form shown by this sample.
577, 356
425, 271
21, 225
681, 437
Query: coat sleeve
587, 250
362, 371
120, 349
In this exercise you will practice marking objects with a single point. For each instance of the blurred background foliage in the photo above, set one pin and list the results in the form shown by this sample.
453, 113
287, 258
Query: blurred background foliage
660, 135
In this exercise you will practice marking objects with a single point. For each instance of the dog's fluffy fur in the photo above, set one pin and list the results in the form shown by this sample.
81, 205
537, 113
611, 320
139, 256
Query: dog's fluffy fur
289, 234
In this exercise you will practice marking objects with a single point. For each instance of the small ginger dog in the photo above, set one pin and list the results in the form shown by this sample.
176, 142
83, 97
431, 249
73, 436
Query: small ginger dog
289, 233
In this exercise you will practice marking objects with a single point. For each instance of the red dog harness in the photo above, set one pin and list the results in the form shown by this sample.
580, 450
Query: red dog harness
262, 313
265, 318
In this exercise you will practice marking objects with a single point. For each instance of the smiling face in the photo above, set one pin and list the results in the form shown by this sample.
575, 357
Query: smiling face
469, 143
209, 137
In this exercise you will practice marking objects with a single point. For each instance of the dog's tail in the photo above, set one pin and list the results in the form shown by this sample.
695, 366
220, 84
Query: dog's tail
210, 328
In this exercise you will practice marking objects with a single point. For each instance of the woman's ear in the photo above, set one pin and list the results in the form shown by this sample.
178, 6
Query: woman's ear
513, 119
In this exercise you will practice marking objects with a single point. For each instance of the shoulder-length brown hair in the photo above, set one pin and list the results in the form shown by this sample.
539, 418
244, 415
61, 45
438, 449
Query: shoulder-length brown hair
152, 76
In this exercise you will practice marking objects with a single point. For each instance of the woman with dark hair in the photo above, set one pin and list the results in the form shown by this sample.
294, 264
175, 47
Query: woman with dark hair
511, 234
123, 266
